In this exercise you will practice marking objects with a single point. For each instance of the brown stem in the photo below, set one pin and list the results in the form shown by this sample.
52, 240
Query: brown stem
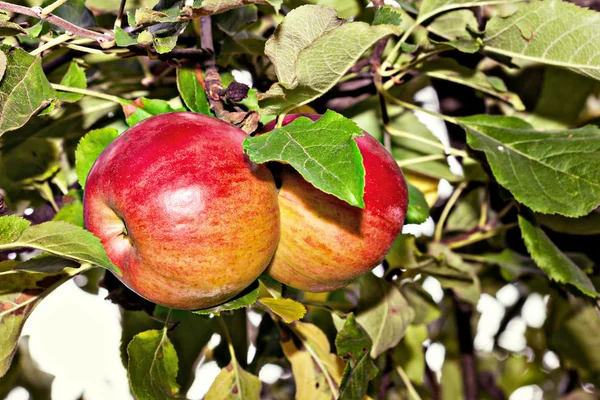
54, 20
463, 314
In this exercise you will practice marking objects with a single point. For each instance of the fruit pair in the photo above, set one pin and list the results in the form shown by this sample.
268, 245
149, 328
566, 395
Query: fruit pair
191, 221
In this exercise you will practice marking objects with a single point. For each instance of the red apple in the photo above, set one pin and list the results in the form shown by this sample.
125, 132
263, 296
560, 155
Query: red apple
180, 209
326, 243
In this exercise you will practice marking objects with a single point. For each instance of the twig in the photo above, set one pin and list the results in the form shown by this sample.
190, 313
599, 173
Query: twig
54, 20
387, 138
90, 93
51, 7
479, 236
439, 229
118, 21
51, 43
463, 313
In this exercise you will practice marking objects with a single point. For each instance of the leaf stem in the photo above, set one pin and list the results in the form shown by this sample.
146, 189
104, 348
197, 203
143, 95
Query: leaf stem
51, 43
439, 228
409, 386
415, 107
479, 236
51, 7
408, 135
90, 93
418, 160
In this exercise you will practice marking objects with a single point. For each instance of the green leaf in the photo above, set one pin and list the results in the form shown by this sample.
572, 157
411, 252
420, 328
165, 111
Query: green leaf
552, 32
430, 8
245, 299
74, 77
46, 263
560, 84
587, 225
233, 21
454, 24
8, 28
352, 340
72, 209
24, 89
552, 261
38, 160
289, 310
201, 8
123, 38
153, 366
165, 44
387, 16
191, 88
233, 383
324, 152
317, 372
73, 11
269, 287
148, 16
356, 382
20, 292
58, 238
426, 310
450, 70
146, 108
89, 149
550, 172
418, 209
383, 312
312, 54
409, 354
465, 215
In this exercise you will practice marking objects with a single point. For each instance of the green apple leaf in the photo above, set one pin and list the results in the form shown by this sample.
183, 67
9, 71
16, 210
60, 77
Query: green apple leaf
89, 149
233, 383
3, 61
38, 160
429, 8
269, 287
46, 263
148, 16
152, 366
467, 212
352, 340
356, 381
552, 261
8, 28
58, 238
245, 299
409, 354
123, 38
74, 77
201, 8
454, 24
450, 70
426, 310
529, 163
72, 209
289, 310
317, 372
387, 16
191, 88
73, 11
552, 32
586, 225
20, 292
324, 152
311, 51
24, 89
418, 209
383, 312
452, 273
143, 108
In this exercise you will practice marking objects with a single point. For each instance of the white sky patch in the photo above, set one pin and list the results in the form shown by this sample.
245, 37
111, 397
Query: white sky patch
508, 295
243, 76
492, 313
378, 271
550, 360
434, 288
270, 373
534, 311
531, 392
435, 356
205, 376
445, 189
513, 337
425, 229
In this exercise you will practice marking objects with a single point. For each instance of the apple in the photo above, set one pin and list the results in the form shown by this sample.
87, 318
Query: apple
181, 210
325, 243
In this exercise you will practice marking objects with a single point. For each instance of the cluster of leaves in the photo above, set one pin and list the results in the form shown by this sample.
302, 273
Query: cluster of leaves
523, 212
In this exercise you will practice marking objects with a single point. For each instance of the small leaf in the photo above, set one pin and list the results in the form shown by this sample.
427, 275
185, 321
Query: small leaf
20, 292
123, 38
426, 310
587, 225
153, 366
454, 24
73, 11
352, 340
269, 287
72, 209
387, 16
244, 299
317, 372
8, 28
46, 263
450, 70
58, 238
148, 16
553, 32
289, 310
143, 108
202, 8
233, 383
418, 209
74, 77
24, 89
324, 152
409, 353
383, 313
356, 382
191, 88
89, 149
528, 162
552, 261
165, 44
430, 8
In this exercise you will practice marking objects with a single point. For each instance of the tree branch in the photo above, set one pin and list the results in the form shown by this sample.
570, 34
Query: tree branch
463, 314
36, 12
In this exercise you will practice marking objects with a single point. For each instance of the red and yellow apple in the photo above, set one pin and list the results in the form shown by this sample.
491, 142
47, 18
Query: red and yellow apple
180, 209
325, 243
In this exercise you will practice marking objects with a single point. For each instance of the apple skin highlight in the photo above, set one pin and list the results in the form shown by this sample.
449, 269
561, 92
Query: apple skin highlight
180, 209
326, 243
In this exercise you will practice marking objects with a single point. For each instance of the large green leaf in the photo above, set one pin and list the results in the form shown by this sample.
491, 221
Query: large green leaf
24, 89
73, 11
191, 88
311, 54
550, 172
552, 261
454, 24
56, 237
383, 312
553, 32
89, 149
153, 366
324, 152
20, 292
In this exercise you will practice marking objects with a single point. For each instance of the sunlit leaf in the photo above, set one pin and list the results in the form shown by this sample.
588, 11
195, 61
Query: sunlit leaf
89, 148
